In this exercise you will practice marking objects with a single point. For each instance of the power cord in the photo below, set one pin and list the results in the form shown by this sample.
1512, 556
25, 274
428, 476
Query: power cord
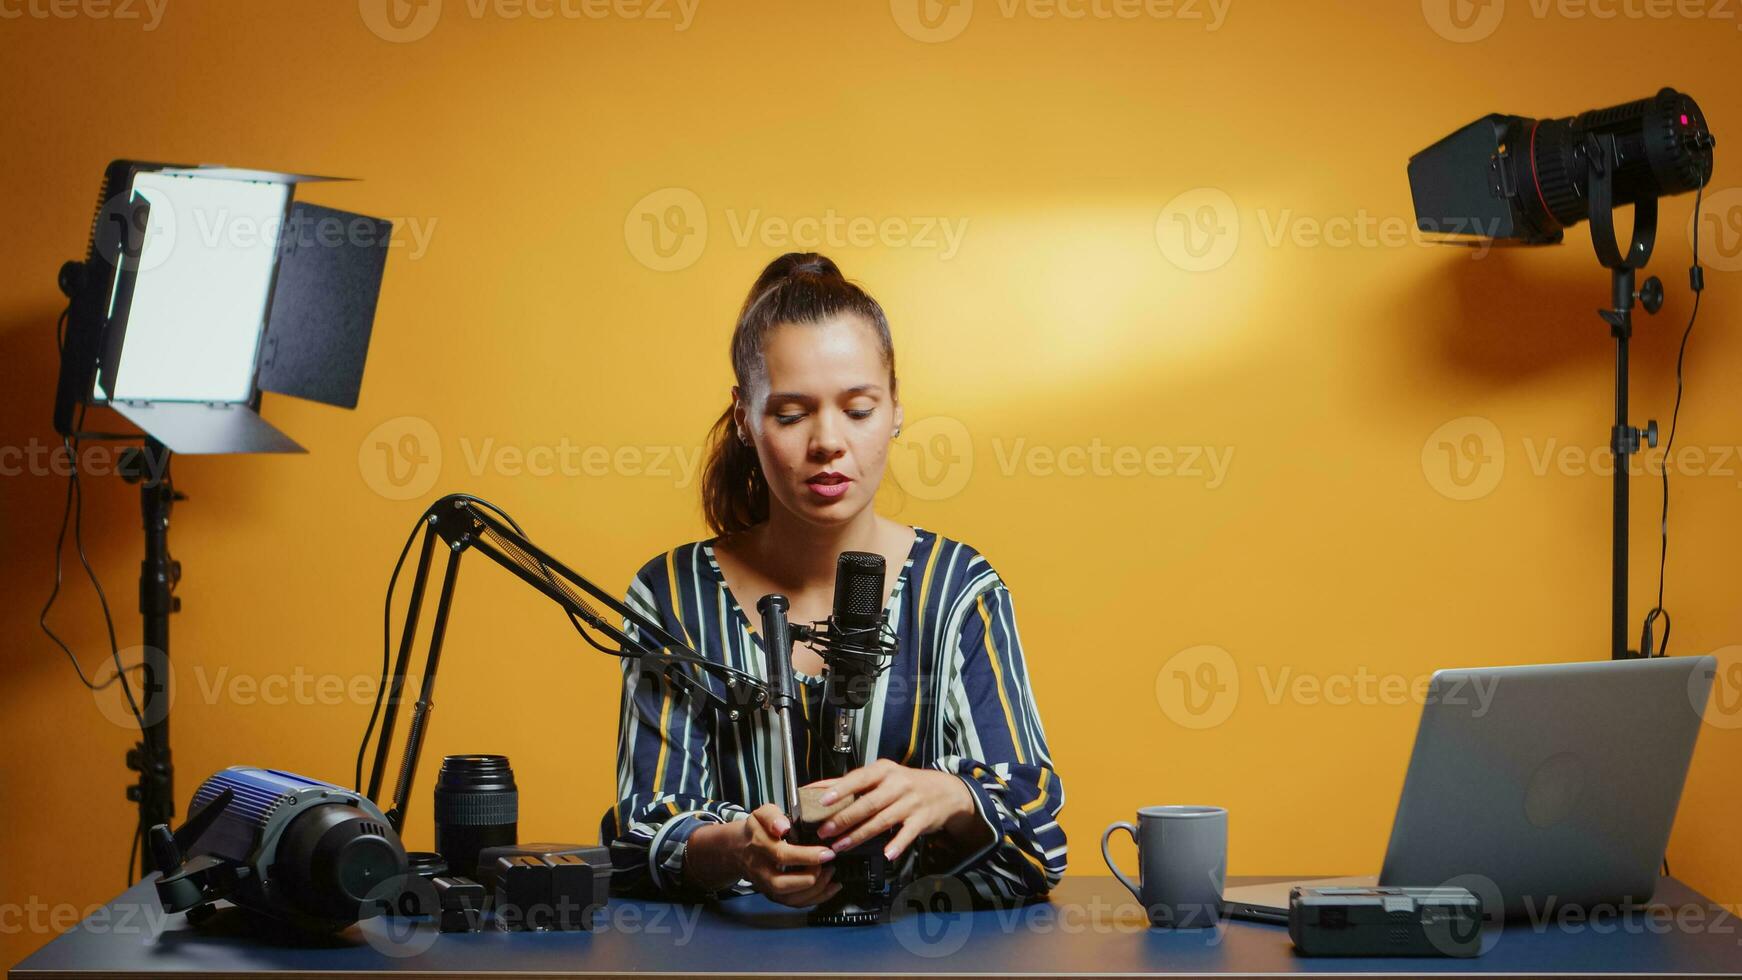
1696, 282
387, 625
387, 622
73, 513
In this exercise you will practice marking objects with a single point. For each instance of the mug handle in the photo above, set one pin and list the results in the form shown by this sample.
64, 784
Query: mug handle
1105, 836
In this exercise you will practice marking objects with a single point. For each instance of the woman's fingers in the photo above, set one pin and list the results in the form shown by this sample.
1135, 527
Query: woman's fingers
773, 822
810, 896
794, 855
864, 808
858, 780
907, 835
885, 818
799, 882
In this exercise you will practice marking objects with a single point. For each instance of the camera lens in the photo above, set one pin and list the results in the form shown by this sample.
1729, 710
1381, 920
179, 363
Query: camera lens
476, 806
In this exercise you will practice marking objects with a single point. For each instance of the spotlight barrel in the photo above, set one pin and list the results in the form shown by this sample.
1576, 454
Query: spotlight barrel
1526, 179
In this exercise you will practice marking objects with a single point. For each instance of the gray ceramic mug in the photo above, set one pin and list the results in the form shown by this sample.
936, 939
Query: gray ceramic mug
1182, 857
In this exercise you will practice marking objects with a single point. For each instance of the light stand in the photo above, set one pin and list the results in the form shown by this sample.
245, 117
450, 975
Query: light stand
148, 466
181, 333
1624, 439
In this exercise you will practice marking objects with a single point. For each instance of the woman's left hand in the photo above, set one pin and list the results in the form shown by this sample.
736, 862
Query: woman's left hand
920, 800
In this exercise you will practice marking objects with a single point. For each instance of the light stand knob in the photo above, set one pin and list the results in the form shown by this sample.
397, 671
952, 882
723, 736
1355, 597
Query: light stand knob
1651, 296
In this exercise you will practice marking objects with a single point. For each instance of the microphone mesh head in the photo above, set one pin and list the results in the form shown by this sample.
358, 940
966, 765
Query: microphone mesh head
859, 588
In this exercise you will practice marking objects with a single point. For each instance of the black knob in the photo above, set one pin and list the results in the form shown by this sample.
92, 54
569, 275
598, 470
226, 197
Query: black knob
1651, 296
164, 852
1651, 433
72, 278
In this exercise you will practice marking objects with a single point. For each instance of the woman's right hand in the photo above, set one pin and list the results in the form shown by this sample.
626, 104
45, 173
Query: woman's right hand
790, 874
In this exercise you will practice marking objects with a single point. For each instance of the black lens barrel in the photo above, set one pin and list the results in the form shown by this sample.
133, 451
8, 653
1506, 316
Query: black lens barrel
477, 805
1662, 145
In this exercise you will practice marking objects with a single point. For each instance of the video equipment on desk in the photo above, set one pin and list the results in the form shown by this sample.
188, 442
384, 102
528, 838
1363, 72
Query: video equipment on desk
477, 805
856, 647
477, 788
308, 853
200, 289
1521, 180
1385, 921
342, 859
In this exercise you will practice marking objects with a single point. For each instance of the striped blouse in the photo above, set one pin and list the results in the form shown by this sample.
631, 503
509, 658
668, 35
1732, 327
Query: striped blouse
955, 698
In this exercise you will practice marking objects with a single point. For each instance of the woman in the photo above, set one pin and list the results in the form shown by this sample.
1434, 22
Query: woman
952, 743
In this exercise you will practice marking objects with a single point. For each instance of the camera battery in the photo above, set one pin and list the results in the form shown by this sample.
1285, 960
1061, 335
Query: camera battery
1385, 921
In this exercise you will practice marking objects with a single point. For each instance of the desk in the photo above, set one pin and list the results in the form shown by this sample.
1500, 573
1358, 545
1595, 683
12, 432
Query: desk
1091, 926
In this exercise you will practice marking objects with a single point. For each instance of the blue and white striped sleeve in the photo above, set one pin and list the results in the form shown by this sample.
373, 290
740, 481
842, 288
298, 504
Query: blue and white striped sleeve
665, 780
994, 740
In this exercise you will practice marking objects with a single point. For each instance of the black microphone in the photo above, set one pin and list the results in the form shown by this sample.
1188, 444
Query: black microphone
853, 650
854, 653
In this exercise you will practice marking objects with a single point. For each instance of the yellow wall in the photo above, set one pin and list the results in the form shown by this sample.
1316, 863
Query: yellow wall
526, 307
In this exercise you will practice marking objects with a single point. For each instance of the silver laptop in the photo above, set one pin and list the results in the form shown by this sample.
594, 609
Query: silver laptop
1537, 787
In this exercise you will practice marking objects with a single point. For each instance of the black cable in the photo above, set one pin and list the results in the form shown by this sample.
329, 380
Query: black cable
1697, 282
132, 855
387, 622
387, 626
75, 510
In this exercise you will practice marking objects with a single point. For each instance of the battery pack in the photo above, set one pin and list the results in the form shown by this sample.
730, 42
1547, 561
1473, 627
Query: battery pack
1385, 921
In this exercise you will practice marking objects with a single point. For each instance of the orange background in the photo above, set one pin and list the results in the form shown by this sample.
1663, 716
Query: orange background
535, 314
